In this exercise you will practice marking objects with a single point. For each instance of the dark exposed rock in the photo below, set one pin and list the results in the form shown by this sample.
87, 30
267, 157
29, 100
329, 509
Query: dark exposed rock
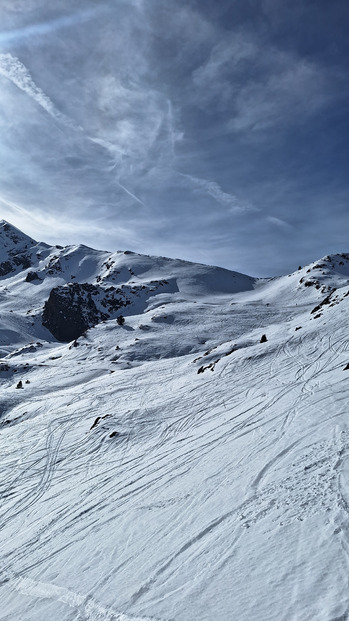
210, 366
71, 309
6, 267
19, 385
22, 260
263, 338
98, 419
16, 248
14, 261
31, 276
95, 423
327, 300
54, 265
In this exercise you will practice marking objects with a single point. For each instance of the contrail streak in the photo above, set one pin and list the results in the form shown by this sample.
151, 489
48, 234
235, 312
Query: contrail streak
36, 30
130, 193
12, 69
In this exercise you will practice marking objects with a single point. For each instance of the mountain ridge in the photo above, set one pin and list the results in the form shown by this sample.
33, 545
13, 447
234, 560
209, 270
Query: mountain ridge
188, 463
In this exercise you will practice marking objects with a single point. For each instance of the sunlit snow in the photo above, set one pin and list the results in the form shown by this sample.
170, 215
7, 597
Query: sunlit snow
174, 467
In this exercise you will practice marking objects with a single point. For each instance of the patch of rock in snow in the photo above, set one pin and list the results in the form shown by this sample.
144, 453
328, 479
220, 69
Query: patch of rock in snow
174, 465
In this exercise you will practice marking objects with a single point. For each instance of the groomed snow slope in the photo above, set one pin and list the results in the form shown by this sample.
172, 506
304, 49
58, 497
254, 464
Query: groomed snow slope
224, 493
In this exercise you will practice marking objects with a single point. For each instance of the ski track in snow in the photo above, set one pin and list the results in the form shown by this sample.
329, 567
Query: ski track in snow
286, 501
87, 609
224, 494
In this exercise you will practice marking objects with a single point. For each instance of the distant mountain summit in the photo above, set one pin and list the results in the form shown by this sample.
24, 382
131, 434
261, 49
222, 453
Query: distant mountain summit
67, 290
174, 437
76, 287
10, 235
18, 252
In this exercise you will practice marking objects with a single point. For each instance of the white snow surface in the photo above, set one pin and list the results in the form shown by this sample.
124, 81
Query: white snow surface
224, 493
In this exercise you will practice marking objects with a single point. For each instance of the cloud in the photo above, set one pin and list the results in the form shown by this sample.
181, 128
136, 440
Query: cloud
258, 86
12, 69
217, 79
292, 92
100, 111
32, 31
15, 71
68, 229
282, 224
213, 189
130, 193
132, 115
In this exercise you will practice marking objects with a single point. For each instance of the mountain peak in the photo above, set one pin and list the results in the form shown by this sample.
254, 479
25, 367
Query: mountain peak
216, 401
13, 233
16, 249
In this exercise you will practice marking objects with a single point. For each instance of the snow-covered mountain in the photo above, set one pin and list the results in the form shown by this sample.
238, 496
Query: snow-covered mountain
187, 464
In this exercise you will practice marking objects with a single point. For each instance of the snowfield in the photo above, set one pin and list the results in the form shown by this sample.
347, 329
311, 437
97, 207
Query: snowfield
174, 468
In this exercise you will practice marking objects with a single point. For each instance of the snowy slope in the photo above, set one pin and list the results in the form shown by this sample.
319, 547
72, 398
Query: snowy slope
175, 467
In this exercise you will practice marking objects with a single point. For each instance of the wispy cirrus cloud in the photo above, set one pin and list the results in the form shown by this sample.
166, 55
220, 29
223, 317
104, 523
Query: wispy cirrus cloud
40, 29
295, 90
216, 80
213, 189
13, 69
182, 125
279, 222
69, 229
258, 86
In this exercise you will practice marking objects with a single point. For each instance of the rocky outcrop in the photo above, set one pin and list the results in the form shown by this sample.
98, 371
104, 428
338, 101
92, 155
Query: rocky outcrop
21, 261
32, 276
6, 267
71, 309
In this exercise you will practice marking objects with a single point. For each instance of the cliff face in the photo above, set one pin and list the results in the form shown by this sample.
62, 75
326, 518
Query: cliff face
71, 309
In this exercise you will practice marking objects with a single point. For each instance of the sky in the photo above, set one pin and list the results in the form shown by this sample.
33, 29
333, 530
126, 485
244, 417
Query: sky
213, 131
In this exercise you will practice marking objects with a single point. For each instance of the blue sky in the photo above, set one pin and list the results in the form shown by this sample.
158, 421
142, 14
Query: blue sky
211, 131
